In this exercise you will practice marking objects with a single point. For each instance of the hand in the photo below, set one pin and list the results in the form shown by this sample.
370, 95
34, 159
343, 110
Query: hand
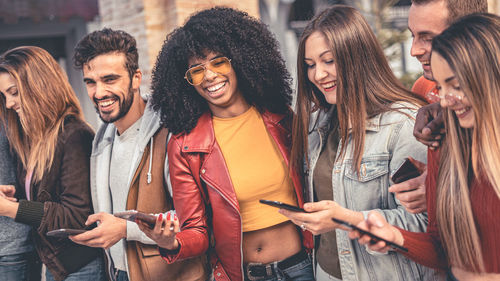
8, 206
376, 224
7, 190
429, 125
411, 193
164, 231
318, 218
110, 230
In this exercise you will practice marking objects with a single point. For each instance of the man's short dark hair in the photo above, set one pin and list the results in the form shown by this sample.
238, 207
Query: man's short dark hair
459, 8
107, 41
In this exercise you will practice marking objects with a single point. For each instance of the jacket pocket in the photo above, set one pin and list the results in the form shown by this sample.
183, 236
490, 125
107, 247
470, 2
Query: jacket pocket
368, 190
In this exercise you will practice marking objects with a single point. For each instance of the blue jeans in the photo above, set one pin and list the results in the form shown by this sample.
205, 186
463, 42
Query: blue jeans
302, 271
121, 275
17, 267
93, 271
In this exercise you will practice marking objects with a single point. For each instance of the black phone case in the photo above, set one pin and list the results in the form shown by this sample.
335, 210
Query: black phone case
281, 205
407, 171
64, 233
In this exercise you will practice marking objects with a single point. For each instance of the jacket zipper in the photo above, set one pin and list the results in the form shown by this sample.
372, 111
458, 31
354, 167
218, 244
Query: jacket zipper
241, 227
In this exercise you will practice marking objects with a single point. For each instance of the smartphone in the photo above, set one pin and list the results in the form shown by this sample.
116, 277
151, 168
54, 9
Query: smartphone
282, 205
65, 232
406, 171
132, 215
374, 237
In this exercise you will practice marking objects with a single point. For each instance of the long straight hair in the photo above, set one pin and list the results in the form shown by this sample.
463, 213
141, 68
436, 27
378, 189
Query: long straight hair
366, 85
471, 47
46, 99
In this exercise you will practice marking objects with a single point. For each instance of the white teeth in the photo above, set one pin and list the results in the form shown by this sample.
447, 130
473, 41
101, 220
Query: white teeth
461, 111
329, 85
426, 62
106, 103
216, 87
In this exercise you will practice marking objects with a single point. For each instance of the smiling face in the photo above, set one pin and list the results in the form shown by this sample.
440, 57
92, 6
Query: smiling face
109, 86
451, 92
425, 22
320, 64
220, 90
8, 88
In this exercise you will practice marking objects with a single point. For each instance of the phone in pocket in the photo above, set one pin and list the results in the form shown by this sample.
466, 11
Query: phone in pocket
282, 205
65, 232
406, 171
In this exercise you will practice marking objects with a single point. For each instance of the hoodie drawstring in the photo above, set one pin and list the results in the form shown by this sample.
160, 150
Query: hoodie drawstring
150, 161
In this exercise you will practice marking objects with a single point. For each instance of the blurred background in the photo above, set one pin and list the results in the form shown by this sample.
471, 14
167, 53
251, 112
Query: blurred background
57, 25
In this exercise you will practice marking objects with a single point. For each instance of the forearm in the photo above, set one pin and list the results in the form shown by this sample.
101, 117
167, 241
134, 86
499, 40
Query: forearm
424, 249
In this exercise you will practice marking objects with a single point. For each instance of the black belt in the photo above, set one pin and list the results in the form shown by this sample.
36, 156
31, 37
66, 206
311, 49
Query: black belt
256, 271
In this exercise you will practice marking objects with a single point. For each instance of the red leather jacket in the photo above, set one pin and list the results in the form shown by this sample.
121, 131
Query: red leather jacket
205, 199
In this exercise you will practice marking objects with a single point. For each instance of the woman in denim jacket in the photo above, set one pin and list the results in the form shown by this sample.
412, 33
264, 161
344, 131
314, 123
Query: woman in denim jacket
354, 127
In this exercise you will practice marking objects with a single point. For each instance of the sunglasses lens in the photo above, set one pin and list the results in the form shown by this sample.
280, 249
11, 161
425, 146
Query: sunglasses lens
195, 75
220, 65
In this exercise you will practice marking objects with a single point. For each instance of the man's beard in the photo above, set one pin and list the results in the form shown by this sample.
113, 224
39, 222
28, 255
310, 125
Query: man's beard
124, 107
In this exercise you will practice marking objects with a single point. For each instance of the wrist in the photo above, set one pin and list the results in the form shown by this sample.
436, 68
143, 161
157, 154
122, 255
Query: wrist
399, 239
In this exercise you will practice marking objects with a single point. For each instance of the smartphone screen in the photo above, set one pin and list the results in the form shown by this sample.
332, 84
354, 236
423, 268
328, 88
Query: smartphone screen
281, 205
373, 236
64, 232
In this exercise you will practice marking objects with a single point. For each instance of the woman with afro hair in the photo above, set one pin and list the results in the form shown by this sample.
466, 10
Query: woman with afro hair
222, 89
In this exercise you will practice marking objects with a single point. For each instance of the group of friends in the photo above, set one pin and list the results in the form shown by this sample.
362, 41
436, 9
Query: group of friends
218, 133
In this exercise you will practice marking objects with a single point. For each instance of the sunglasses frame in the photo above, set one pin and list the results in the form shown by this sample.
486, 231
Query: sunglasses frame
205, 69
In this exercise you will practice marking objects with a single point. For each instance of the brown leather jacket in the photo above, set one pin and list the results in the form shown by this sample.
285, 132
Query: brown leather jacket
144, 261
205, 199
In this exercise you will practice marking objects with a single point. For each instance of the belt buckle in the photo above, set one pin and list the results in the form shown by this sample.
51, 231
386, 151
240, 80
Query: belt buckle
268, 271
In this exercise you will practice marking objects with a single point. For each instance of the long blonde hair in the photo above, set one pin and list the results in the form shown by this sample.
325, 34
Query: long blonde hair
366, 85
471, 47
46, 100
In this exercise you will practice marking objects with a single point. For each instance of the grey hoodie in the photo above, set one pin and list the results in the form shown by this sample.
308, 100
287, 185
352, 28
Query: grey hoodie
99, 168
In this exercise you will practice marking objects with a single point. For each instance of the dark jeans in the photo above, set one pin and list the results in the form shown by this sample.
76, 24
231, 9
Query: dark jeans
20, 267
93, 271
302, 271
450, 276
121, 275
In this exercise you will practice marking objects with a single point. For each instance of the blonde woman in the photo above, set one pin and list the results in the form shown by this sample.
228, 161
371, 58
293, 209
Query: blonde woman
52, 142
354, 129
464, 194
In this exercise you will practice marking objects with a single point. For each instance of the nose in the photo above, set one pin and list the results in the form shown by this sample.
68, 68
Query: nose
417, 49
210, 75
99, 91
448, 101
320, 73
9, 102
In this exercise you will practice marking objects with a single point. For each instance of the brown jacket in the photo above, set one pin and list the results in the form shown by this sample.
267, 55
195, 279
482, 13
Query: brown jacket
144, 261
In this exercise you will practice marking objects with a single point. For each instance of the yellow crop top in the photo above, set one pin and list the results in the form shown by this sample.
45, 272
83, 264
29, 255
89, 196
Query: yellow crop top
256, 167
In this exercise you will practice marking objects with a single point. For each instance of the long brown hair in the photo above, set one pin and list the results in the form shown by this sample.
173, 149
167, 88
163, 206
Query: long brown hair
471, 47
46, 99
366, 85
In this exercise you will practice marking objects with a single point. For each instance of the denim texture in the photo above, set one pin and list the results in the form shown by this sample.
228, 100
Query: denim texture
303, 271
93, 271
389, 140
19, 267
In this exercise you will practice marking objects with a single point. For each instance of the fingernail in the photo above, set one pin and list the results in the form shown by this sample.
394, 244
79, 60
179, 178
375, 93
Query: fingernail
168, 216
160, 217
175, 217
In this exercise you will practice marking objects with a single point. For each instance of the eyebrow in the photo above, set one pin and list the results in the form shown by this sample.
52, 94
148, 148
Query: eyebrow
449, 79
320, 55
193, 65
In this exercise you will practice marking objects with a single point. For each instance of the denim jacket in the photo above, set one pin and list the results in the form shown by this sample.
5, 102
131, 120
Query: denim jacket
388, 141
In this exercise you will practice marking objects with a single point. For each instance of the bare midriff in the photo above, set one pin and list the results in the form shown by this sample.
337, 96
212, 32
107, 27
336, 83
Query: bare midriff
270, 244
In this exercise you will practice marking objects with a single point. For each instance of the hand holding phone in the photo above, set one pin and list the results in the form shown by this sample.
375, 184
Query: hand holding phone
281, 205
65, 232
132, 215
374, 237
406, 171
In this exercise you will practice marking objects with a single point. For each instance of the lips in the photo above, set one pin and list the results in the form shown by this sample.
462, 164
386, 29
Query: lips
216, 90
329, 86
105, 104
462, 112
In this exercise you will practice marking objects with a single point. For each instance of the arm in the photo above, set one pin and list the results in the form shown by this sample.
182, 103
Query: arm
73, 203
192, 240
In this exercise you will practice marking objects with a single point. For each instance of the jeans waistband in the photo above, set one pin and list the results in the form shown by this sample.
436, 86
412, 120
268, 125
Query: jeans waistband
256, 271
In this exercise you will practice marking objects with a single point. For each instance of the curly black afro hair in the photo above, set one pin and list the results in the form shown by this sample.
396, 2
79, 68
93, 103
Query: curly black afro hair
255, 57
